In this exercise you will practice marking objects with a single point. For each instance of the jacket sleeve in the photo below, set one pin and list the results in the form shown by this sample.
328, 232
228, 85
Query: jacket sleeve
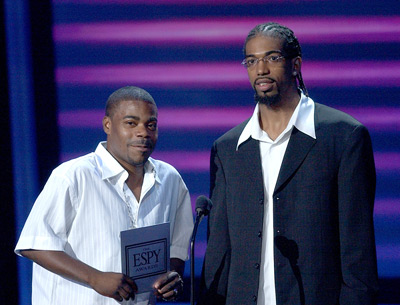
217, 258
356, 194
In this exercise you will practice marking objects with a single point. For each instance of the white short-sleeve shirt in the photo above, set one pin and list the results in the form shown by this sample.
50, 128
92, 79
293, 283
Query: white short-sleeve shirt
82, 210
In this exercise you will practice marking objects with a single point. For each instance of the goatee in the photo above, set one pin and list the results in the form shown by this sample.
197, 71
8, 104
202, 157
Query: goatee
267, 100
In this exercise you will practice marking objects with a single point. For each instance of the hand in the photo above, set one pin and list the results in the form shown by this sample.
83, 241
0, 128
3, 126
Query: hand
169, 286
114, 285
109, 284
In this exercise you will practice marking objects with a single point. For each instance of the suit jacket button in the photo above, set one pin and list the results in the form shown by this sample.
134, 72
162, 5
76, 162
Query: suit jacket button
254, 298
259, 234
257, 265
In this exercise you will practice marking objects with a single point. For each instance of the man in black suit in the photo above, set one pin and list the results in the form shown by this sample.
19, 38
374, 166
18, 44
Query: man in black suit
293, 191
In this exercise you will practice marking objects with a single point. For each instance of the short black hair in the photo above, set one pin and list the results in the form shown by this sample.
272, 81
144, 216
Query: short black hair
128, 93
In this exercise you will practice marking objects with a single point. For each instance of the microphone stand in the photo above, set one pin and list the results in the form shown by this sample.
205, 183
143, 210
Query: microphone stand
199, 216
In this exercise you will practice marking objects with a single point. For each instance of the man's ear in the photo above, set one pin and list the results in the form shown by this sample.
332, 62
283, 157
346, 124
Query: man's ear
107, 124
296, 66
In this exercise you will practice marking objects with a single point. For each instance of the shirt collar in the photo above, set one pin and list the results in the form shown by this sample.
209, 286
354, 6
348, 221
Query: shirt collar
302, 118
150, 168
113, 171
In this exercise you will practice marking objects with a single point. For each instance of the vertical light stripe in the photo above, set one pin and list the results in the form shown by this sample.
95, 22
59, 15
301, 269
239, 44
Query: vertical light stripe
22, 125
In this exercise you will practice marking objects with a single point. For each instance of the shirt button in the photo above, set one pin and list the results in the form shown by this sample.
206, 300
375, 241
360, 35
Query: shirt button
257, 265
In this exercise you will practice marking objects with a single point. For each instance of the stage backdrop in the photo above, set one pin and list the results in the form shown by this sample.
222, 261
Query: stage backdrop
187, 54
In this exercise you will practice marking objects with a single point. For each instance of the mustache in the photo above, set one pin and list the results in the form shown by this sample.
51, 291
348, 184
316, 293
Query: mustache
142, 142
262, 77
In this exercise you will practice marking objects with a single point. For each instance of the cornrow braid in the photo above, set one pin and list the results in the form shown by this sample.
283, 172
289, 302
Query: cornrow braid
291, 45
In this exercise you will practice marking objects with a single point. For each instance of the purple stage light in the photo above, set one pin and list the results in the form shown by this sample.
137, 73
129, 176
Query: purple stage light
160, 75
376, 118
387, 161
199, 161
226, 75
384, 207
229, 31
168, 118
389, 252
219, 118
194, 161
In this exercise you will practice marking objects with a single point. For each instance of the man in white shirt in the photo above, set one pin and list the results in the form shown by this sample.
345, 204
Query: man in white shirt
73, 231
293, 192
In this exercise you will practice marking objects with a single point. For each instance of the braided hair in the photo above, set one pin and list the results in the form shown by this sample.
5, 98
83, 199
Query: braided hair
291, 45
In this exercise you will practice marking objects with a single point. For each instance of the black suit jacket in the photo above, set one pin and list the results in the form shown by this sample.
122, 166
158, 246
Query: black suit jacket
324, 249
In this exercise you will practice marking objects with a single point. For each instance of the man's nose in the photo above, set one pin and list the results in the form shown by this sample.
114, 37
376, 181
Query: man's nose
262, 67
141, 131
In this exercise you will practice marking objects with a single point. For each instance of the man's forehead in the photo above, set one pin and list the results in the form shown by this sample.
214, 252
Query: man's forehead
136, 103
134, 107
262, 40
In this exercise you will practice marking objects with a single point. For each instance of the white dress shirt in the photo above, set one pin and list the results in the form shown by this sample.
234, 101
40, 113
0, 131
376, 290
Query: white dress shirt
82, 209
272, 153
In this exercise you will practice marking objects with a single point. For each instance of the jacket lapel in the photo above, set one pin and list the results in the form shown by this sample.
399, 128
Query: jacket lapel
298, 147
249, 163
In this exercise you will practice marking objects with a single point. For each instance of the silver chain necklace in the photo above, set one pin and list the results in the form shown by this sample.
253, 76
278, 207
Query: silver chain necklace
128, 205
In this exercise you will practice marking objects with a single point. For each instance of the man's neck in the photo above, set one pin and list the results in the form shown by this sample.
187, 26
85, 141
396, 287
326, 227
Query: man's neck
135, 181
274, 119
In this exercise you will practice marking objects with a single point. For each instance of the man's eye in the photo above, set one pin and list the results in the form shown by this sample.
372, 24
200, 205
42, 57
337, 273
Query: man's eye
250, 61
152, 126
273, 58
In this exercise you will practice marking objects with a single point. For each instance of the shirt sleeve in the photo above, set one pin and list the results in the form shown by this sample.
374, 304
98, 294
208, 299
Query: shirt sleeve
183, 225
49, 221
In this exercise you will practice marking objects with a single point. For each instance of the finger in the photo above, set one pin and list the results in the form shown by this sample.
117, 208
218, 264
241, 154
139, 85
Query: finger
117, 297
166, 288
166, 278
159, 282
171, 295
172, 275
123, 293
131, 283
166, 281
129, 286
168, 295
130, 291
176, 283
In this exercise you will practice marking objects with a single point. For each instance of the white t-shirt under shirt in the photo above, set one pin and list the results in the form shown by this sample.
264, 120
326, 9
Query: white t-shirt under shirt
82, 210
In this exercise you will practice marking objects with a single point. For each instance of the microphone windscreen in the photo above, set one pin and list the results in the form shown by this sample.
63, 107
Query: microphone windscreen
203, 205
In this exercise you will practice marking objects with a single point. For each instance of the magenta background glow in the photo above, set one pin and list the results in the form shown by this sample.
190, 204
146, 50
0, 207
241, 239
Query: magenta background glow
229, 30
377, 118
226, 75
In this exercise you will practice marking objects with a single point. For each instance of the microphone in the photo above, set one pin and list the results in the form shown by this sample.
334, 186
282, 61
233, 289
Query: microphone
203, 207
